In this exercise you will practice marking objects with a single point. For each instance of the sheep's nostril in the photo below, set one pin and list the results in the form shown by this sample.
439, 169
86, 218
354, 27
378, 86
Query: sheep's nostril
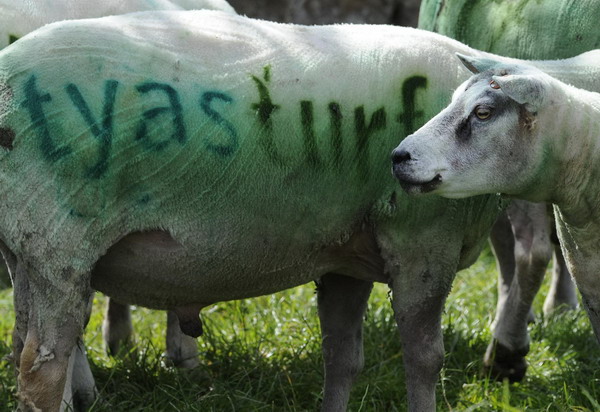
400, 156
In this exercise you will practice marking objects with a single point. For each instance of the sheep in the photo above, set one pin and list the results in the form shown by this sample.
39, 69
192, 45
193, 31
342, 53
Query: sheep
504, 25
174, 179
398, 12
20, 18
24, 16
527, 30
514, 129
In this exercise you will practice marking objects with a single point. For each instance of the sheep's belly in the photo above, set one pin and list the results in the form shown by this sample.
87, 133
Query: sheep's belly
152, 269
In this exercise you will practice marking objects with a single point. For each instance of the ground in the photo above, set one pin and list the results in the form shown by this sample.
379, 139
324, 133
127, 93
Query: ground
264, 355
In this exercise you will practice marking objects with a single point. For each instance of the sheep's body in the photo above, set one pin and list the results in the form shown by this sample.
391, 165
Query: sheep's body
525, 242
398, 12
524, 29
225, 107
24, 16
540, 143
219, 158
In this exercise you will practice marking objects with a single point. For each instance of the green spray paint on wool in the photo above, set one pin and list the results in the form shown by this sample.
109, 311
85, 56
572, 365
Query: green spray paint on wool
324, 133
525, 29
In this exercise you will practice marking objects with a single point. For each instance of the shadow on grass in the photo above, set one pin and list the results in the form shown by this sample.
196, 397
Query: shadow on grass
233, 376
238, 373
563, 373
252, 363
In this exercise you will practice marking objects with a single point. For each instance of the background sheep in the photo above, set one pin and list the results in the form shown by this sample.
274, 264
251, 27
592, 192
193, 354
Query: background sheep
398, 12
21, 17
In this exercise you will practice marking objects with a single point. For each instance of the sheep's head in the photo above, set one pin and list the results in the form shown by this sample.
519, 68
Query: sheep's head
487, 139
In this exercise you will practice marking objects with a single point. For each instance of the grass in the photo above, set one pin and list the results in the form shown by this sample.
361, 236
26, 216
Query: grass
264, 355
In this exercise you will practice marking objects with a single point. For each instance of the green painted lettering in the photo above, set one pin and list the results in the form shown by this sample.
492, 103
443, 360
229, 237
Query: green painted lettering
34, 99
174, 108
102, 132
205, 104
308, 131
264, 111
335, 118
364, 133
409, 94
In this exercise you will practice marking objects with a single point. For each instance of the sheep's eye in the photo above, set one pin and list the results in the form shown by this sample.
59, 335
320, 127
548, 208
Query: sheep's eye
482, 113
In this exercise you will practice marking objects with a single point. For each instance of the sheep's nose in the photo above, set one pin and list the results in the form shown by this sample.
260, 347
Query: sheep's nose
400, 156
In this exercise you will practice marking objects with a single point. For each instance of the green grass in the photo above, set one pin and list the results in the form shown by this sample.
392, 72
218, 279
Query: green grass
264, 355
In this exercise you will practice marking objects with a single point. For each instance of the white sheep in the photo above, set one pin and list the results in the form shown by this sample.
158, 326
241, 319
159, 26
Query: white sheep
524, 238
397, 12
515, 130
20, 17
177, 159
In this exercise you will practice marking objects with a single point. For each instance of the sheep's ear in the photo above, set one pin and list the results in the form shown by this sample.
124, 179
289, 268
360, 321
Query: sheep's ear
476, 64
528, 89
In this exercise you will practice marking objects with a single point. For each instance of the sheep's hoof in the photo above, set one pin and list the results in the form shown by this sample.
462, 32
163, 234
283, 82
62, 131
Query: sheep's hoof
502, 363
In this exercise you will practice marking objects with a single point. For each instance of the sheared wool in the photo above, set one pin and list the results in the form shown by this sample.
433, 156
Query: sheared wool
17, 18
252, 148
222, 130
526, 29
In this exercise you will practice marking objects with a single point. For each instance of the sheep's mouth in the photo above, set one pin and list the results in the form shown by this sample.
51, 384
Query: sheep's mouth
415, 187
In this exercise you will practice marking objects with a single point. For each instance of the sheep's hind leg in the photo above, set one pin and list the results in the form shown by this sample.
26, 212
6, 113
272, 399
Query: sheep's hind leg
117, 330
505, 355
116, 327
83, 387
57, 307
342, 303
562, 294
182, 350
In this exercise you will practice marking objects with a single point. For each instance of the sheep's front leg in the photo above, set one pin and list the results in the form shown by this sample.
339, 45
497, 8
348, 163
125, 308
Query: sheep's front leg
419, 294
342, 303
21, 306
80, 391
505, 355
56, 311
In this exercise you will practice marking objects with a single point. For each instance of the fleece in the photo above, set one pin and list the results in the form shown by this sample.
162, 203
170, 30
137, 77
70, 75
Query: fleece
17, 18
241, 155
252, 144
525, 29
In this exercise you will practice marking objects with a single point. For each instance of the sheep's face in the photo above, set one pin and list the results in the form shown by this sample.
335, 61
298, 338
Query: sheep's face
485, 141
